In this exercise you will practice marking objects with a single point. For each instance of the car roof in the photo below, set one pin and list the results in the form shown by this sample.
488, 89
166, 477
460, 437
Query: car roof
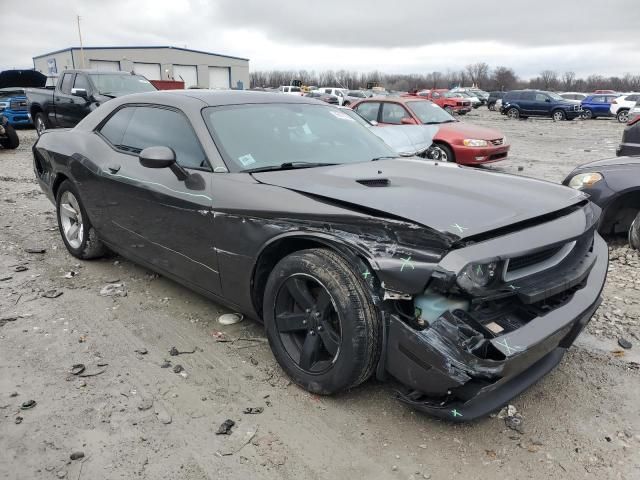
389, 99
216, 98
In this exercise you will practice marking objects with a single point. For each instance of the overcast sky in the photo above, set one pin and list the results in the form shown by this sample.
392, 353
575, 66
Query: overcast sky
401, 36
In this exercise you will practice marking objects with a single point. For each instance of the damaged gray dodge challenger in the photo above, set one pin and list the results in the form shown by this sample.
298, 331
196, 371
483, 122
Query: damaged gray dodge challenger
464, 286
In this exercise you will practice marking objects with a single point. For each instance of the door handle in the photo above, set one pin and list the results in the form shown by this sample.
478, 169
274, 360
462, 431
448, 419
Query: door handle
113, 168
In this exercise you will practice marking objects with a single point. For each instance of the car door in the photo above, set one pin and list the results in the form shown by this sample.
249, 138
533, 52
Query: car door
541, 104
155, 216
526, 101
369, 110
62, 101
80, 107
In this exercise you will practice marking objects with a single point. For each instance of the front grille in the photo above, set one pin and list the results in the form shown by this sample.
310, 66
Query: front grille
497, 141
18, 105
524, 261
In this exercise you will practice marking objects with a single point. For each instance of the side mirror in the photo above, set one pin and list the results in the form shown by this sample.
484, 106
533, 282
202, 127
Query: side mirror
162, 157
407, 121
548, 100
80, 92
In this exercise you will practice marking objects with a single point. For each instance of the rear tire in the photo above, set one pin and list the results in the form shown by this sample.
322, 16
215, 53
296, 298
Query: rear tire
78, 235
321, 323
12, 141
634, 233
622, 116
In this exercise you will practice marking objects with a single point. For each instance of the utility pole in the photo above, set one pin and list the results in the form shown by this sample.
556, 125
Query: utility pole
81, 47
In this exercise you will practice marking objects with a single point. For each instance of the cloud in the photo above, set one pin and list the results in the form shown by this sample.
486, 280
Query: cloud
412, 36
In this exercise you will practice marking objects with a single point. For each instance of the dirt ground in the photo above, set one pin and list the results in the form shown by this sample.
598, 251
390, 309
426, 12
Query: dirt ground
132, 418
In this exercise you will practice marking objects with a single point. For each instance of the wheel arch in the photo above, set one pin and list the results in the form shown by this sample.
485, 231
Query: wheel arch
620, 212
279, 247
57, 181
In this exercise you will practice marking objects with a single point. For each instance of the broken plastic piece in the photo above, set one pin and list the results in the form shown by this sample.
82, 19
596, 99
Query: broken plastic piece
230, 318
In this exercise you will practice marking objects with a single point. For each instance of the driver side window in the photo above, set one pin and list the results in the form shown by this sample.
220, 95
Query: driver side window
393, 113
132, 129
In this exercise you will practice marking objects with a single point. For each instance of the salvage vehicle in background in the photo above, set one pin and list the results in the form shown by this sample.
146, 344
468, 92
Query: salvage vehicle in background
574, 97
538, 103
330, 243
353, 96
451, 102
325, 97
78, 93
630, 144
594, 106
614, 185
475, 101
493, 98
13, 105
458, 142
633, 114
8, 136
621, 105
291, 89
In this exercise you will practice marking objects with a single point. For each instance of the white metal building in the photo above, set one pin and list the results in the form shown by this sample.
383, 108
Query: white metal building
195, 68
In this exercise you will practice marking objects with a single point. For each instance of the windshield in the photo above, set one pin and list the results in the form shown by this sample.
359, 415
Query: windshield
452, 95
118, 84
555, 96
430, 113
267, 135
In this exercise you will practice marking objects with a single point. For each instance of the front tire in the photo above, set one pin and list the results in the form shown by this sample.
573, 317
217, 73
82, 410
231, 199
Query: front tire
321, 323
446, 153
587, 114
558, 115
40, 122
634, 233
78, 234
622, 116
12, 141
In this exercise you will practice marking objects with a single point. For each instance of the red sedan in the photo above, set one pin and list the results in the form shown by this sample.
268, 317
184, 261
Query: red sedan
459, 142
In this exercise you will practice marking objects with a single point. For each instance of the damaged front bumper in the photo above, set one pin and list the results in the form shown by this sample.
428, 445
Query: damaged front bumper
448, 377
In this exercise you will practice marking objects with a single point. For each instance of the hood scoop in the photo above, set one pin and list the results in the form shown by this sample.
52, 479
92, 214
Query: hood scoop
374, 182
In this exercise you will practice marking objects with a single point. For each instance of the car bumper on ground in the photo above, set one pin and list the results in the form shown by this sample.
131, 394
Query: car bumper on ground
573, 114
461, 386
479, 155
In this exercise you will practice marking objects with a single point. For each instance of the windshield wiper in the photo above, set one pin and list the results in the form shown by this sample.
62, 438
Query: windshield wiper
375, 159
287, 166
108, 94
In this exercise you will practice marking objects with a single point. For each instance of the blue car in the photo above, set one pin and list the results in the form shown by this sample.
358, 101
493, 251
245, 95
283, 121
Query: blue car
538, 103
595, 106
13, 105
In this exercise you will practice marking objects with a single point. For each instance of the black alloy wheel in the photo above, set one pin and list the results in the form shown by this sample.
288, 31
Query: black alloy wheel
322, 325
307, 323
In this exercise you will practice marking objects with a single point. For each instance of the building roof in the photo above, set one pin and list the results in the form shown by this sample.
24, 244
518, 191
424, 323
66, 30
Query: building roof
148, 47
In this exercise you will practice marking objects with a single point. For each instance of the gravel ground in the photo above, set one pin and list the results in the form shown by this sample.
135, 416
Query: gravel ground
132, 418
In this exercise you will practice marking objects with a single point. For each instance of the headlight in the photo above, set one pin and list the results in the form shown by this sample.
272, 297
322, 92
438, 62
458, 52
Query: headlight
474, 142
583, 180
478, 275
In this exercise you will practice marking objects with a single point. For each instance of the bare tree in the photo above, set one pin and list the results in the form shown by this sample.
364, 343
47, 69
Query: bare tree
567, 80
503, 78
478, 73
548, 79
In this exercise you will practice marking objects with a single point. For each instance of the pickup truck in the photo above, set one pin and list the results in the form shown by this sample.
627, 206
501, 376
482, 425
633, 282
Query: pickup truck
13, 105
446, 100
77, 93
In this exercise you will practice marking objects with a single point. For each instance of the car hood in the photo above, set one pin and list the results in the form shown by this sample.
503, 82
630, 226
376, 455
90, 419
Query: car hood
465, 130
407, 140
610, 162
458, 201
